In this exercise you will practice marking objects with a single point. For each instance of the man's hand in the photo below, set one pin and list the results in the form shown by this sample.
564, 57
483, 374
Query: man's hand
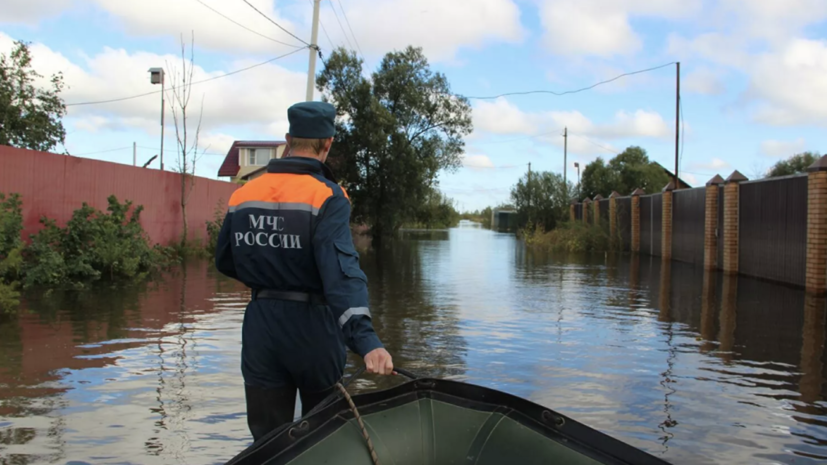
379, 361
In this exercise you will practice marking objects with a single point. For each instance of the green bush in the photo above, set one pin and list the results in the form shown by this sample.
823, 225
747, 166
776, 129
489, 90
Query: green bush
214, 228
569, 237
93, 246
11, 248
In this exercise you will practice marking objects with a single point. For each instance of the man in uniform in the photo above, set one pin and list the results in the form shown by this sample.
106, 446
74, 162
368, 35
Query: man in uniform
287, 237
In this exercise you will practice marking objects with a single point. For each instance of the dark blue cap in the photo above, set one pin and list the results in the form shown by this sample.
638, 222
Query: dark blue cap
312, 120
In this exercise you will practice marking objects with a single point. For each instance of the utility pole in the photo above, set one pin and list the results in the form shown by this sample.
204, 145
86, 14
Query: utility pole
162, 123
528, 185
134, 153
565, 159
677, 119
314, 35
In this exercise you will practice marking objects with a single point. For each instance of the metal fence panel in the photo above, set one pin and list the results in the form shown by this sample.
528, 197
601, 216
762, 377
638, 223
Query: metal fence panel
688, 217
578, 211
624, 222
773, 229
604, 212
721, 227
657, 225
646, 224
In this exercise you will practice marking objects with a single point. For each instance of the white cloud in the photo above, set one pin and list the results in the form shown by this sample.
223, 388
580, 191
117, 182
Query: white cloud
501, 117
440, 27
258, 97
602, 27
771, 20
216, 142
713, 166
766, 41
477, 162
703, 81
29, 11
788, 83
783, 148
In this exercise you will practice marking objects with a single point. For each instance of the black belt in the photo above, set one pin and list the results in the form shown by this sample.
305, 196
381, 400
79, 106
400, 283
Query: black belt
294, 296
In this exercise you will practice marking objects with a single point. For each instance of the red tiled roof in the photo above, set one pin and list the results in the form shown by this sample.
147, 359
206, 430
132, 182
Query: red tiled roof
231, 165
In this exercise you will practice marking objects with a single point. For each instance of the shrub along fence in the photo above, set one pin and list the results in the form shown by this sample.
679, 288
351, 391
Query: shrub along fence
774, 229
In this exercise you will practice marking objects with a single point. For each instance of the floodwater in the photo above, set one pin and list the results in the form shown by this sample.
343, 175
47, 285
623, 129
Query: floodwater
695, 368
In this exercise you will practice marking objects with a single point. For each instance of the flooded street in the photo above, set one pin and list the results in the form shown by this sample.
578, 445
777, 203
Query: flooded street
695, 368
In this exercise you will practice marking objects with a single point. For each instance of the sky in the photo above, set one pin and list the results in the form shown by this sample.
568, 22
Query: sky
753, 76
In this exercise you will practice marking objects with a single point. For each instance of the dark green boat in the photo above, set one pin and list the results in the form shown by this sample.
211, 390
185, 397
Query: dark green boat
438, 422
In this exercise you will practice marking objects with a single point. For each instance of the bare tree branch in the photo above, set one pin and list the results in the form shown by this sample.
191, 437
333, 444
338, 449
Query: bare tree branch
188, 153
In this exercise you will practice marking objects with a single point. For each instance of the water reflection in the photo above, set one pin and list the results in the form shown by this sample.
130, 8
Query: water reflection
695, 367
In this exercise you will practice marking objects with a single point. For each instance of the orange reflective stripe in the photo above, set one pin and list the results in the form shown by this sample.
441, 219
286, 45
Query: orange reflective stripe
283, 188
345, 192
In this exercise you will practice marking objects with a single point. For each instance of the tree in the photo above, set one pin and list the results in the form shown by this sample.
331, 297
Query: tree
395, 131
624, 173
540, 199
187, 141
598, 178
30, 117
795, 164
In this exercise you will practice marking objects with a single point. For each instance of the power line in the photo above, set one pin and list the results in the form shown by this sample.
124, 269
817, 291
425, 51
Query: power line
607, 149
192, 83
340, 24
100, 151
200, 153
245, 27
324, 29
516, 139
573, 91
350, 28
277, 24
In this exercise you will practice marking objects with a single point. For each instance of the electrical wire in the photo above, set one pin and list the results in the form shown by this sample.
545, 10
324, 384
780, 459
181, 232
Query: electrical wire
100, 151
350, 28
192, 83
245, 27
516, 139
573, 91
607, 149
200, 153
324, 29
340, 25
277, 24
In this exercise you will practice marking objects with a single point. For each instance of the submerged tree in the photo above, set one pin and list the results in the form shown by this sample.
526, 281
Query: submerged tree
30, 116
394, 132
541, 199
186, 138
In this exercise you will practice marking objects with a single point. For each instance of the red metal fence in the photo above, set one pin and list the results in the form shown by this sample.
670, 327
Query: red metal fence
55, 185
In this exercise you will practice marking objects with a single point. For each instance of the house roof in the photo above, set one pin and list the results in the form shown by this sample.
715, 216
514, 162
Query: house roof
231, 165
681, 183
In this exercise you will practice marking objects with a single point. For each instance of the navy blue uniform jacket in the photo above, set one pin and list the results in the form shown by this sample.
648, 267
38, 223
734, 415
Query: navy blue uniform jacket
289, 229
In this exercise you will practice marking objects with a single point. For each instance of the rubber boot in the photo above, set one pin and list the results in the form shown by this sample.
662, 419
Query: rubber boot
267, 409
312, 399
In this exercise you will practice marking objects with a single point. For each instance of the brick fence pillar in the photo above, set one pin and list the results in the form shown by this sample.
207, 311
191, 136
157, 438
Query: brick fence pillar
586, 204
613, 237
597, 199
816, 274
636, 220
666, 228
572, 214
731, 234
711, 226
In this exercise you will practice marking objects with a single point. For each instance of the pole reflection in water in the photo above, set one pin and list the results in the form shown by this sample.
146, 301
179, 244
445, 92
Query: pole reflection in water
689, 365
